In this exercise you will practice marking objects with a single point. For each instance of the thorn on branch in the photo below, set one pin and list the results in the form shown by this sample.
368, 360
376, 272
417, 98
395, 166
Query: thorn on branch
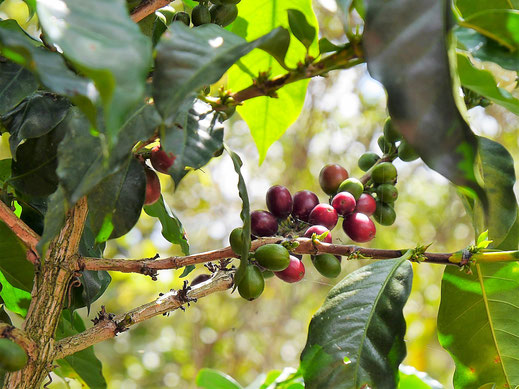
102, 316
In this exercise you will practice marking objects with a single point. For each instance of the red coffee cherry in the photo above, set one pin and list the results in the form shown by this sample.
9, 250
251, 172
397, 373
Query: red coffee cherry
152, 187
344, 203
324, 215
359, 227
279, 201
366, 204
160, 160
331, 177
263, 223
294, 272
319, 230
304, 202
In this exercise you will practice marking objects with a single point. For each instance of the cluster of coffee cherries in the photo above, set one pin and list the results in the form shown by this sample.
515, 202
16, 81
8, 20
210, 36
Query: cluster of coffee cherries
221, 12
161, 162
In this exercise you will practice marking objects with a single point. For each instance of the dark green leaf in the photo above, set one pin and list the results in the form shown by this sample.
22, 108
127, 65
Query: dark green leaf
325, 46
187, 270
482, 82
4, 317
31, 5
14, 265
5, 170
172, 228
486, 49
84, 362
34, 117
470, 7
361, 327
189, 58
111, 50
16, 300
214, 379
33, 211
244, 215
278, 47
500, 25
192, 145
48, 66
34, 169
300, 27
15, 84
423, 106
115, 204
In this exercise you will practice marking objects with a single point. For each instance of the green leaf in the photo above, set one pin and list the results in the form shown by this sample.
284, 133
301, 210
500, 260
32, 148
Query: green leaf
266, 117
300, 27
16, 300
172, 229
15, 84
486, 49
422, 107
477, 319
4, 317
189, 58
325, 46
278, 47
84, 362
34, 168
34, 117
483, 83
192, 145
5, 170
244, 215
500, 25
410, 378
111, 50
15, 267
48, 66
470, 7
361, 328
188, 269
214, 379
118, 201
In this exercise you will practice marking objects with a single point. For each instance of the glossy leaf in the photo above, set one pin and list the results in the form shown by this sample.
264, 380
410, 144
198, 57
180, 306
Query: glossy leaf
16, 300
483, 83
34, 117
300, 27
486, 49
172, 229
468, 8
14, 265
410, 378
214, 379
110, 50
187, 59
423, 106
15, 84
48, 66
84, 362
244, 215
116, 202
478, 319
192, 145
500, 25
268, 118
360, 328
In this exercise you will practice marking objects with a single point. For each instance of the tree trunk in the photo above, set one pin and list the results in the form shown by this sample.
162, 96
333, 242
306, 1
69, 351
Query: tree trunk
51, 285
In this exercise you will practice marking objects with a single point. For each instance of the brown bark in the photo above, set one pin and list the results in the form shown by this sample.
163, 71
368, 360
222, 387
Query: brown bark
51, 285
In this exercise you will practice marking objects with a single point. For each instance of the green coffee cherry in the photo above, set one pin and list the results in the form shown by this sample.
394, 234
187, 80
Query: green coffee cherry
353, 186
252, 284
386, 146
384, 214
406, 153
12, 356
384, 173
223, 14
390, 132
200, 15
367, 160
236, 241
387, 193
267, 274
327, 264
182, 17
272, 257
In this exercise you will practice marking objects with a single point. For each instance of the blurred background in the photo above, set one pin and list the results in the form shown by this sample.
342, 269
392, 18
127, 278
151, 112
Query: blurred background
342, 118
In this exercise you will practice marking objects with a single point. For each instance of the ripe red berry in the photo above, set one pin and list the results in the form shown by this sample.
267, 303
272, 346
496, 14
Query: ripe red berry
294, 272
263, 223
366, 204
344, 203
324, 215
279, 201
319, 230
152, 187
304, 202
160, 160
331, 177
359, 227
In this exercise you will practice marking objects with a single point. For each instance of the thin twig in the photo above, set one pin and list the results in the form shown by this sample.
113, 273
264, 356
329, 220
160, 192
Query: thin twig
109, 326
28, 237
147, 8
20, 337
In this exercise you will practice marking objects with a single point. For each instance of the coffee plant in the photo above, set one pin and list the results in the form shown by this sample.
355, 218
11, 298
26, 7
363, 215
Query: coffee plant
100, 100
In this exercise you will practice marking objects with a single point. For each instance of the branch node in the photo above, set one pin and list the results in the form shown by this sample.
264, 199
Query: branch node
102, 316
